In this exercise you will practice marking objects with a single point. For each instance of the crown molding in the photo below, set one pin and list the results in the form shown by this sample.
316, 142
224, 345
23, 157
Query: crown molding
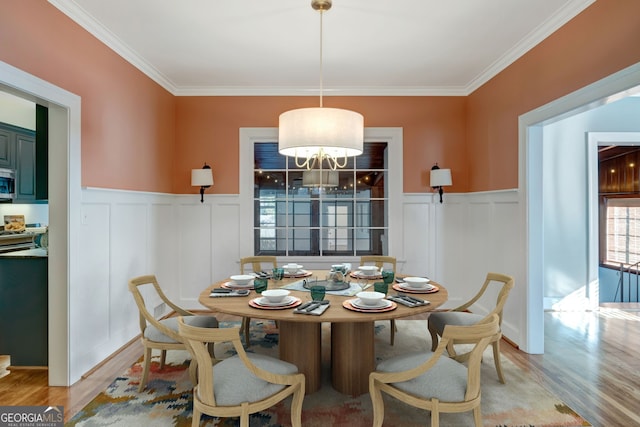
75, 12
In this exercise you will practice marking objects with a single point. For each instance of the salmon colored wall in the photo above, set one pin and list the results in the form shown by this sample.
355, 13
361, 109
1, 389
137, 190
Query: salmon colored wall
128, 121
208, 128
603, 39
137, 136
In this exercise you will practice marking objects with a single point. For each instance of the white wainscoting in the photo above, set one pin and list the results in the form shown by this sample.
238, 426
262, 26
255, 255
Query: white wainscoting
189, 245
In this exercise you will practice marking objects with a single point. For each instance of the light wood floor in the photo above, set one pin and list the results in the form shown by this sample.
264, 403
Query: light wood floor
591, 362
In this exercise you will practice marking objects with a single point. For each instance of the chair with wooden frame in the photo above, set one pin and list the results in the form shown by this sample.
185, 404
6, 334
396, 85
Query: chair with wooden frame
242, 384
433, 381
462, 316
258, 264
383, 261
162, 334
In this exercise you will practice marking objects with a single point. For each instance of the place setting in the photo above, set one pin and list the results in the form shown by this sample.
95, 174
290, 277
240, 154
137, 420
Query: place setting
370, 272
239, 281
294, 271
275, 299
370, 302
415, 285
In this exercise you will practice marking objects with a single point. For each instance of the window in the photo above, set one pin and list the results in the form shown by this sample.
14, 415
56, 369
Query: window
293, 215
622, 230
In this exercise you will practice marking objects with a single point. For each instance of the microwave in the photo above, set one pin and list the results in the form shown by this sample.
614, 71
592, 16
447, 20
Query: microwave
7, 185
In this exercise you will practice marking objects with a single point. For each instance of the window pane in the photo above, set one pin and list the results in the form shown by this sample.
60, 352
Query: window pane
623, 231
269, 184
337, 240
345, 219
337, 214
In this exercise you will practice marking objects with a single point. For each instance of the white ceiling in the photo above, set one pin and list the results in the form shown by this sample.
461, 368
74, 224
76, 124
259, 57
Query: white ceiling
370, 47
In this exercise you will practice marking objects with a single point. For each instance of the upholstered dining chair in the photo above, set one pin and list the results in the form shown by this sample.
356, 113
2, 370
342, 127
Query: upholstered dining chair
257, 264
162, 334
383, 261
502, 285
242, 384
433, 381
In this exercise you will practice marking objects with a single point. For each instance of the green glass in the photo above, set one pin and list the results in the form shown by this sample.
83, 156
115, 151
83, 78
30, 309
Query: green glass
260, 284
317, 292
278, 273
381, 287
388, 276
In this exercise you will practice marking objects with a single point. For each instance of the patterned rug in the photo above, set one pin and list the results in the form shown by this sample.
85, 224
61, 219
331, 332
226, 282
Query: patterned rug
522, 402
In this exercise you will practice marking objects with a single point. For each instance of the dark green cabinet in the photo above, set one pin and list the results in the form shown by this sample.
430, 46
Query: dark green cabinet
7, 145
24, 309
27, 153
25, 169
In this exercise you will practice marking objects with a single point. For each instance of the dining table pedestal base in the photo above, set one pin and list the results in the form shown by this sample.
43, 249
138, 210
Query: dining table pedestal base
352, 357
300, 344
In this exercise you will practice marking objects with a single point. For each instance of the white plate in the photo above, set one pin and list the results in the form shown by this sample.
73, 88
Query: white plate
426, 287
384, 303
365, 274
265, 302
297, 273
232, 285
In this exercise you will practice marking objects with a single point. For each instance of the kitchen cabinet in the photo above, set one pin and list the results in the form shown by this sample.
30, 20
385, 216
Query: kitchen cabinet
18, 146
25, 168
24, 307
7, 145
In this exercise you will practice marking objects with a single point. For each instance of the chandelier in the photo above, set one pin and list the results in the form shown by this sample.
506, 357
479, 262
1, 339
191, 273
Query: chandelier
316, 135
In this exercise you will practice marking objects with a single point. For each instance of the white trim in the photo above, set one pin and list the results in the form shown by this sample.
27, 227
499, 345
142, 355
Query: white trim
249, 136
74, 11
64, 207
529, 182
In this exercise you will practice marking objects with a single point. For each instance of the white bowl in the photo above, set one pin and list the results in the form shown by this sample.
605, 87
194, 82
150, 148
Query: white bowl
292, 268
416, 282
369, 270
242, 279
275, 295
370, 298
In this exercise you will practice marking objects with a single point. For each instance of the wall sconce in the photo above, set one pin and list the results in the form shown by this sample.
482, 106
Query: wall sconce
439, 178
202, 178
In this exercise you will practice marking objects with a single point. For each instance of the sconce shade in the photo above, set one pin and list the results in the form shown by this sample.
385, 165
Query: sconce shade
304, 131
440, 177
201, 177
319, 178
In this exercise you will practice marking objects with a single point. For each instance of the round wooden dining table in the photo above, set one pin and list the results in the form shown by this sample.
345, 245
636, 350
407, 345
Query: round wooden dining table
352, 332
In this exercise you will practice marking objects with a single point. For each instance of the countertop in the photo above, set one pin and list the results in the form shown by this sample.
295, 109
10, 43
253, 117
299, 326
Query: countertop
26, 253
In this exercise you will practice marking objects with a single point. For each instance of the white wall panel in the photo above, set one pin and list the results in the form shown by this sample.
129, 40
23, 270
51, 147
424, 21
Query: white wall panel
226, 235
190, 245
90, 315
163, 246
128, 258
195, 257
415, 237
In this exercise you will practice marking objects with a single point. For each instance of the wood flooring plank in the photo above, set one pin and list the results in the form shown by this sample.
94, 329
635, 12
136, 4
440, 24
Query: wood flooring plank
590, 362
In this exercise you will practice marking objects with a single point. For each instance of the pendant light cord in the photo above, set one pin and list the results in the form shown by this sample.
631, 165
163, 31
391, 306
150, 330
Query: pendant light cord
321, 82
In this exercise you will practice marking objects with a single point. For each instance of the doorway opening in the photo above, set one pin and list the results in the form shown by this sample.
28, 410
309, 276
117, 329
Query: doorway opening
64, 201
543, 180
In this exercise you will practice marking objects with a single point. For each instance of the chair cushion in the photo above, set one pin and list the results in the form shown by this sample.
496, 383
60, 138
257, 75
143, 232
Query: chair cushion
152, 333
441, 319
234, 383
446, 380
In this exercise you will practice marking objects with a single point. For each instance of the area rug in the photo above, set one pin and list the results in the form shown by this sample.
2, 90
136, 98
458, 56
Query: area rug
521, 402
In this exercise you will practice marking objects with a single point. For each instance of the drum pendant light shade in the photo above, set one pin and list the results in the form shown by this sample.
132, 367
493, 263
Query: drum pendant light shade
305, 131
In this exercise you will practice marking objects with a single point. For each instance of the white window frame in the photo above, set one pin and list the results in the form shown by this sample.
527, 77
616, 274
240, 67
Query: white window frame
250, 136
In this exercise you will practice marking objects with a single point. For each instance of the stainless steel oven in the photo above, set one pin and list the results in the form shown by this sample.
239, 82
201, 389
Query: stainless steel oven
7, 185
